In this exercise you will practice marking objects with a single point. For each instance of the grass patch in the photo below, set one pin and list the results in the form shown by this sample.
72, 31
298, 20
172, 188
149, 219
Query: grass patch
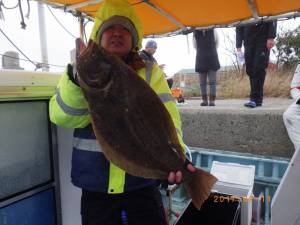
235, 84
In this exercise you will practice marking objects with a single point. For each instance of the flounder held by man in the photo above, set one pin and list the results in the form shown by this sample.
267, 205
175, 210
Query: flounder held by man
131, 123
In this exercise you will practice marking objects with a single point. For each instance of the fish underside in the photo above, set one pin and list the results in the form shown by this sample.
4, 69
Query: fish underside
132, 125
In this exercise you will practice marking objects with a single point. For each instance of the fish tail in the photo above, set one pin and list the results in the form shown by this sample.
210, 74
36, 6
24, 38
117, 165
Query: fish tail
199, 186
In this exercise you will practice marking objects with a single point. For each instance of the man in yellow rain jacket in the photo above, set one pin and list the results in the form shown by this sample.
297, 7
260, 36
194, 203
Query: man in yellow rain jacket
109, 194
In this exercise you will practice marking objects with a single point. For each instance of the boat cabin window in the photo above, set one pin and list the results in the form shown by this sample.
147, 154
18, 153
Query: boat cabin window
25, 147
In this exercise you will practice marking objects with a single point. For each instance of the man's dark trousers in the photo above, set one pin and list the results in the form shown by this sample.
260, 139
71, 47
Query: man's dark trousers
140, 207
256, 59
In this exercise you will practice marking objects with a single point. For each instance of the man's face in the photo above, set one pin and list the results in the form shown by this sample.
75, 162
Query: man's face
151, 51
117, 40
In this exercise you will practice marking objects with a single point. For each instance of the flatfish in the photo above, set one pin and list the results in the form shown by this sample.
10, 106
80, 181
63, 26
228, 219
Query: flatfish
132, 125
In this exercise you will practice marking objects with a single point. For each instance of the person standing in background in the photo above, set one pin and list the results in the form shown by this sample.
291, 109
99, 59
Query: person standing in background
148, 52
258, 39
147, 55
207, 63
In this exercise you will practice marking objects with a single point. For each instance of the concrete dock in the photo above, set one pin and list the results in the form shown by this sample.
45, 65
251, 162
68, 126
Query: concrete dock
230, 126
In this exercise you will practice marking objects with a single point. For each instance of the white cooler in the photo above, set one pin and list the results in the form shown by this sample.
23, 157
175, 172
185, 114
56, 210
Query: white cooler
236, 180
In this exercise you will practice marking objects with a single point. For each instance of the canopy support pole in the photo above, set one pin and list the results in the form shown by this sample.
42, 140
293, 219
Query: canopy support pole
253, 9
239, 23
164, 13
43, 37
82, 4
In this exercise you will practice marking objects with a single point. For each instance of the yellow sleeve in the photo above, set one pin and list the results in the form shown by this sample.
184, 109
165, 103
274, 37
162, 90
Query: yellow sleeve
68, 107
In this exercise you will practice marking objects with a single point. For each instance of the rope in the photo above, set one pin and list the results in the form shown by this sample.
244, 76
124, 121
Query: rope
6, 7
28, 10
61, 23
1, 13
17, 47
29, 61
37, 65
23, 24
19, 5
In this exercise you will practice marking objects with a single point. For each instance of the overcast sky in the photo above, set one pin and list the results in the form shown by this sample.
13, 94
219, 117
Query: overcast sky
176, 52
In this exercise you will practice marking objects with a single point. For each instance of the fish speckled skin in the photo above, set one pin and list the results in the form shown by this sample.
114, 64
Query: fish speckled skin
131, 123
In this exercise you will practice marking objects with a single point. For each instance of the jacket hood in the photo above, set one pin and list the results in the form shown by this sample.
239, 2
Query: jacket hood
111, 8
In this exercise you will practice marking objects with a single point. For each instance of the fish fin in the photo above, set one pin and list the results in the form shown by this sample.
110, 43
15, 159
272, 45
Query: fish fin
199, 186
79, 47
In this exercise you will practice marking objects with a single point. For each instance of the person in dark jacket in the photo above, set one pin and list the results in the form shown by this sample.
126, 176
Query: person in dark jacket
207, 63
258, 39
147, 54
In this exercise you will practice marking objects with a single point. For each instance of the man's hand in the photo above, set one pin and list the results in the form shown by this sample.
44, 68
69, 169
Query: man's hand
176, 177
270, 43
240, 56
162, 66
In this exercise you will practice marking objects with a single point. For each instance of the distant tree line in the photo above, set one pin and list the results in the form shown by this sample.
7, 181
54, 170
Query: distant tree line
288, 49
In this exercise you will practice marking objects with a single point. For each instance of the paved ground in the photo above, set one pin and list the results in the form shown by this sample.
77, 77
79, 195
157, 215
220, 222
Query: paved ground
237, 104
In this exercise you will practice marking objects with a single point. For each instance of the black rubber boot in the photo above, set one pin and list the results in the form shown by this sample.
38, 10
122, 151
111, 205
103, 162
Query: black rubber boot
212, 99
204, 101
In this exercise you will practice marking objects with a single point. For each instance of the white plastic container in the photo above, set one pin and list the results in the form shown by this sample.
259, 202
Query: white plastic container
295, 84
236, 180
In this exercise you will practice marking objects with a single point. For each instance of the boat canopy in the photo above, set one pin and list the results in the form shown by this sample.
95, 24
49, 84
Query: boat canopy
163, 17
